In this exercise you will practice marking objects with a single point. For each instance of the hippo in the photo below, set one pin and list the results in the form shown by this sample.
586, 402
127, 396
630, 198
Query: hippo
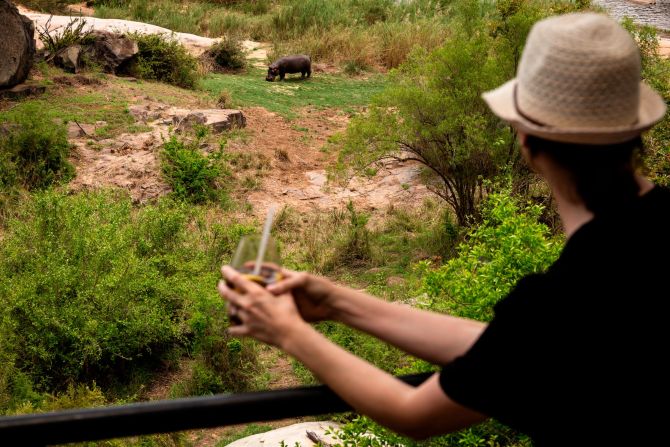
297, 63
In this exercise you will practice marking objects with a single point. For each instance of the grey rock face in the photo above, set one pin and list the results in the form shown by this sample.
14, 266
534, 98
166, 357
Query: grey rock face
69, 58
217, 120
112, 50
17, 45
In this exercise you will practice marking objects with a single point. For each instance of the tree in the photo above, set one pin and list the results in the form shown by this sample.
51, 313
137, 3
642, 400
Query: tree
432, 111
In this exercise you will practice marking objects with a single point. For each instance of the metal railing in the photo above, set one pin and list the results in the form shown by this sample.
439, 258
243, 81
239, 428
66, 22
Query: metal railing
165, 416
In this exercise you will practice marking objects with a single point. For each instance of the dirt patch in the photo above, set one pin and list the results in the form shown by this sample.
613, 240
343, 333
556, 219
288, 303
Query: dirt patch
298, 178
129, 162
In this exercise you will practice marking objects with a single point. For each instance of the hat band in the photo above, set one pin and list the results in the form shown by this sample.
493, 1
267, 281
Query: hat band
520, 112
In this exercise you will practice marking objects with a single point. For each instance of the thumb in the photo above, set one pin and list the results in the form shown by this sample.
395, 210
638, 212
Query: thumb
291, 281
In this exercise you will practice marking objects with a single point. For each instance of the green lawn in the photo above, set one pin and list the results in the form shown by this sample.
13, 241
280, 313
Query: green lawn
286, 97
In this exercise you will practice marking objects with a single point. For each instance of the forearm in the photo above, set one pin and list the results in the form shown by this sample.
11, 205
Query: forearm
417, 412
436, 338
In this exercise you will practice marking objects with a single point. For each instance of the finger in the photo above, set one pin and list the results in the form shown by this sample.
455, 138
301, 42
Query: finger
232, 296
290, 280
238, 280
238, 331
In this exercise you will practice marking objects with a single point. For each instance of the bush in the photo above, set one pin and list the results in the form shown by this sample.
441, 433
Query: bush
35, 150
656, 72
509, 244
74, 33
93, 290
162, 58
227, 54
192, 176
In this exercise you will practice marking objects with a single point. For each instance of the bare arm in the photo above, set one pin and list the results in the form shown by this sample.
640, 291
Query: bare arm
437, 338
418, 412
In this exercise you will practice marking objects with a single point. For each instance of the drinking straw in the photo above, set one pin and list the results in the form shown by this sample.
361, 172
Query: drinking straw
264, 239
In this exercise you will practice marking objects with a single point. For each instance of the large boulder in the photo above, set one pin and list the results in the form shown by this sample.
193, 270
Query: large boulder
112, 50
17, 45
69, 58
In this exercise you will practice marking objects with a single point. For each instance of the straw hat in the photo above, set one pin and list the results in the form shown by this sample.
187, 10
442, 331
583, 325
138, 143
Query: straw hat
578, 82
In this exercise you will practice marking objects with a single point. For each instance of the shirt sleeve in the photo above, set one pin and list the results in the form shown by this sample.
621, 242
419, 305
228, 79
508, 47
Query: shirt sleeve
490, 377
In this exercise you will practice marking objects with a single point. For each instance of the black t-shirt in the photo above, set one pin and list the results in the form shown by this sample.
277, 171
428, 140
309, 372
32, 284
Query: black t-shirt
575, 356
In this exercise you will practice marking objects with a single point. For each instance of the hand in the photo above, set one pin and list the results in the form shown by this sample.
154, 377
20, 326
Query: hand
264, 316
313, 295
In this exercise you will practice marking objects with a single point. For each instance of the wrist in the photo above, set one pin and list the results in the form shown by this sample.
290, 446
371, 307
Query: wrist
294, 336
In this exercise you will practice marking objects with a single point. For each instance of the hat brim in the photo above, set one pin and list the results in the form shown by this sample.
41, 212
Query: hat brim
651, 110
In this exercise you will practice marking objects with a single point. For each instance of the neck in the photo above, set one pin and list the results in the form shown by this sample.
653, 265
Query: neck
573, 213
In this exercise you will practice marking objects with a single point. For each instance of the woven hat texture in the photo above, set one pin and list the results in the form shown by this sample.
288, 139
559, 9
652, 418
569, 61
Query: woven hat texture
579, 81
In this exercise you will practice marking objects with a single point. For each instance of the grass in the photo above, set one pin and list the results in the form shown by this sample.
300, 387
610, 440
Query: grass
286, 97
366, 34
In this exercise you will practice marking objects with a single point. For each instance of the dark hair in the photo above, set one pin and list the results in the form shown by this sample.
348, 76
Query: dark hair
604, 175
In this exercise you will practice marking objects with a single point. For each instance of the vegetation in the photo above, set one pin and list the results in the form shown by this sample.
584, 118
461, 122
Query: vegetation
192, 175
73, 33
34, 152
509, 244
374, 33
227, 55
431, 111
164, 59
656, 72
93, 291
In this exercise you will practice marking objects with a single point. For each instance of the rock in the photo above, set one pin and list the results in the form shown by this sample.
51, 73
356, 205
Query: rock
112, 50
290, 435
22, 91
393, 281
664, 47
69, 58
217, 120
17, 45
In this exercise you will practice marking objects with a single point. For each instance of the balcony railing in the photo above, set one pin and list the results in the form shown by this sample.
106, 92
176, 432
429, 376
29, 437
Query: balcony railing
165, 416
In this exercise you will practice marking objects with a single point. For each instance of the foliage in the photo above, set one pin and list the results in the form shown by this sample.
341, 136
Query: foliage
94, 290
193, 177
48, 6
163, 58
509, 244
35, 150
656, 72
373, 32
73, 33
228, 54
363, 432
431, 110
91, 289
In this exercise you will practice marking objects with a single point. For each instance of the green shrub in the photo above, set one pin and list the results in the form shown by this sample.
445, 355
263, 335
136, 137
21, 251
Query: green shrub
228, 54
193, 176
162, 58
356, 432
34, 150
656, 72
223, 363
509, 244
92, 289
74, 33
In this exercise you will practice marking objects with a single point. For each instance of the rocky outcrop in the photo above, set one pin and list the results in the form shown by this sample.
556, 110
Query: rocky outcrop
196, 45
17, 45
217, 120
112, 50
69, 58
108, 50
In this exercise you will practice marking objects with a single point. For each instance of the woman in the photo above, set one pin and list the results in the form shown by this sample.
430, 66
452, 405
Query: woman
573, 356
